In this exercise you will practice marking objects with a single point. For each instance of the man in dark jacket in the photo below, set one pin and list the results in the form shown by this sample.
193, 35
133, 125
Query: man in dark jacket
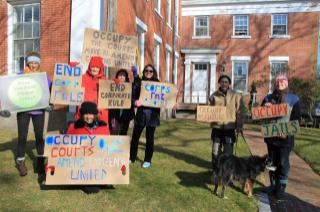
279, 148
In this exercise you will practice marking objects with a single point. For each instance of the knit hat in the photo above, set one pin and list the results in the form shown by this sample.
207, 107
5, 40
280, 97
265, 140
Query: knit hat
96, 61
88, 108
224, 76
33, 57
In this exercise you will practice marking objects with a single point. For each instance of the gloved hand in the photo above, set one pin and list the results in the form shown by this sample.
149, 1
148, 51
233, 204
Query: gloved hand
5, 113
49, 108
134, 71
117, 81
137, 103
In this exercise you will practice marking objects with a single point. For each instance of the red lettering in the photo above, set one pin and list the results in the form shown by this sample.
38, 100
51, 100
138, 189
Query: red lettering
285, 107
62, 151
52, 155
90, 150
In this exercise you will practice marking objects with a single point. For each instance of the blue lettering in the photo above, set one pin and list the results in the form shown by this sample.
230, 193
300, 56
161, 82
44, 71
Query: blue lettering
77, 71
168, 89
55, 140
58, 69
91, 139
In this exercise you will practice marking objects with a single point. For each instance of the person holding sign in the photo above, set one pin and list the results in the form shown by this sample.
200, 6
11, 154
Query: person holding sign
146, 117
89, 124
23, 120
223, 132
119, 119
90, 82
279, 147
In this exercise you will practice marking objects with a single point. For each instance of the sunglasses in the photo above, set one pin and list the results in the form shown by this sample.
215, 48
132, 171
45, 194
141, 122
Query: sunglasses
149, 71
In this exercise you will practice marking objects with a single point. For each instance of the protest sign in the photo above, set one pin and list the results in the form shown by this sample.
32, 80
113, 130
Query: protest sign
155, 94
274, 129
112, 95
117, 50
87, 159
66, 86
272, 111
24, 92
211, 113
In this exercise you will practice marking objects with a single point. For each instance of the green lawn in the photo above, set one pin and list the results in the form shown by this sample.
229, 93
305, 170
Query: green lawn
177, 181
307, 145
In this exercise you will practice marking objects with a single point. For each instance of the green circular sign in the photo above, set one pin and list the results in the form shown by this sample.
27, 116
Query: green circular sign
25, 92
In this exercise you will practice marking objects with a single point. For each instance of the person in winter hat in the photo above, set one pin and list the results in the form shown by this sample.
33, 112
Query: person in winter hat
279, 147
90, 83
89, 124
223, 132
33, 61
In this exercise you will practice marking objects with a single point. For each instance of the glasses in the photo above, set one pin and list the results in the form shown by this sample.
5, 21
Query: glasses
149, 71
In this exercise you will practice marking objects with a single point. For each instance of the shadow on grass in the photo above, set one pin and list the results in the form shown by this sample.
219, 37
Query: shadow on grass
12, 146
190, 179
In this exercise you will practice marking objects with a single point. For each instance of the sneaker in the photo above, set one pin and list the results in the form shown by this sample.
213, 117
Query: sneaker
146, 165
130, 161
22, 168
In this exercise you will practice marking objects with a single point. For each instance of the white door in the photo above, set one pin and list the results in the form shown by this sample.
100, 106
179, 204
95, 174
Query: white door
200, 83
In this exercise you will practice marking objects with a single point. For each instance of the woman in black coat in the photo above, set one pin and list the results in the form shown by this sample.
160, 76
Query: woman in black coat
146, 117
119, 119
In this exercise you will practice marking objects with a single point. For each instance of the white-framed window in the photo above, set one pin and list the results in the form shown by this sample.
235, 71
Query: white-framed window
176, 18
240, 66
156, 53
141, 30
169, 13
26, 32
241, 25
201, 26
279, 24
278, 65
157, 6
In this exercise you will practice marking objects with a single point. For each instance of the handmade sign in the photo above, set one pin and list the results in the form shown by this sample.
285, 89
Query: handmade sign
155, 94
272, 111
211, 113
87, 159
24, 92
274, 129
112, 95
117, 50
66, 86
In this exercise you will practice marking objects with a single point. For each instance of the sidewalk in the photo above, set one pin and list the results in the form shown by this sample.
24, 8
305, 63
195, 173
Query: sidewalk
304, 184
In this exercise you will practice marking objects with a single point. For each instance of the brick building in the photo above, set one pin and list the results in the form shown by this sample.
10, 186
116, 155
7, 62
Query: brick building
250, 40
56, 28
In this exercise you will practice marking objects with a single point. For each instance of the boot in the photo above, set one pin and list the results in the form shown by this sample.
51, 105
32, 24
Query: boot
22, 168
40, 165
280, 191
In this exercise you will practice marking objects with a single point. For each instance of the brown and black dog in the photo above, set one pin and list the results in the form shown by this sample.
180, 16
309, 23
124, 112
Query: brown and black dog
244, 169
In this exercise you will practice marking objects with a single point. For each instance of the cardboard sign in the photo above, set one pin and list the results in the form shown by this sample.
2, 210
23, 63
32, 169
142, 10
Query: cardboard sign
66, 86
211, 113
274, 129
270, 111
24, 92
155, 94
87, 159
117, 50
112, 95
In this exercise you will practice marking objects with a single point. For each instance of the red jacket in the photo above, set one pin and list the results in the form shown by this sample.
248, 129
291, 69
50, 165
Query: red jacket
78, 128
91, 87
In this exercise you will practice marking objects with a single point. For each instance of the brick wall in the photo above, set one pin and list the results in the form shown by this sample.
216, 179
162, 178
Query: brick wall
3, 37
301, 47
55, 33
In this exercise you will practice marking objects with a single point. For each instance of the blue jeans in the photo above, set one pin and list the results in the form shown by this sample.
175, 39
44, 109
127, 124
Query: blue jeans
280, 159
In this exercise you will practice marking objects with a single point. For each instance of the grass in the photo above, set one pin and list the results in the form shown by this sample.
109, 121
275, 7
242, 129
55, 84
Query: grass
307, 145
177, 181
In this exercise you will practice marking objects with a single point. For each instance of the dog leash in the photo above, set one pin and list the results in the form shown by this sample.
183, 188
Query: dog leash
237, 138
